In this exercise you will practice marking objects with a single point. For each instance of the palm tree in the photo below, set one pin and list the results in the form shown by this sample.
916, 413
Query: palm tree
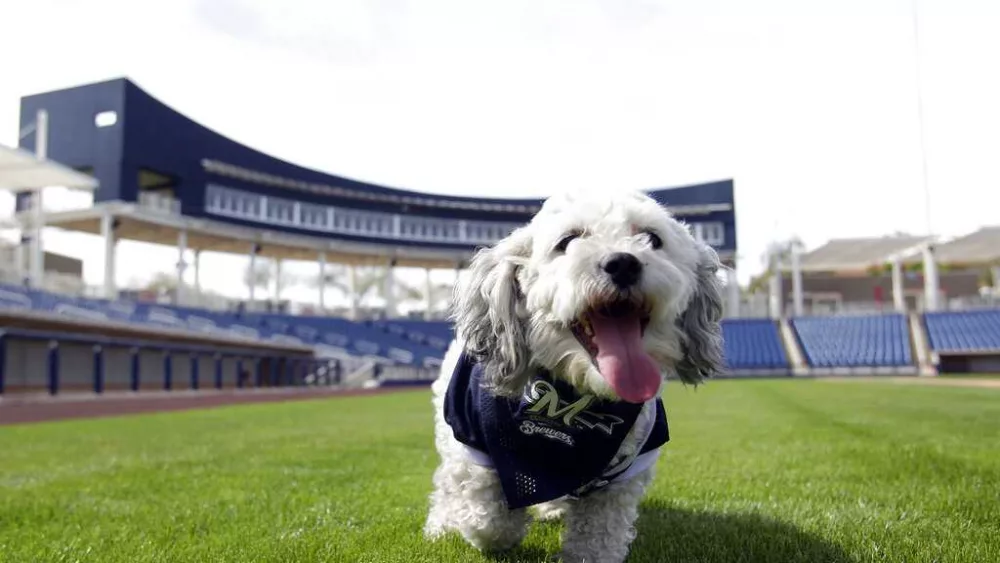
264, 273
778, 254
369, 280
165, 284
440, 297
162, 282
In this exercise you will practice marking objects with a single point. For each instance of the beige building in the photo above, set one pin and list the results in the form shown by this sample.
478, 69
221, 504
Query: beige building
865, 274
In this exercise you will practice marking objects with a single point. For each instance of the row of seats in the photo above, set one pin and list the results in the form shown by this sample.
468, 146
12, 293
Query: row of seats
854, 341
965, 331
753, 344
844, 341
356, 338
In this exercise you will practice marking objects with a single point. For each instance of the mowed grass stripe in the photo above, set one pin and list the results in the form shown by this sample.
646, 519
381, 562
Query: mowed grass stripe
755, 471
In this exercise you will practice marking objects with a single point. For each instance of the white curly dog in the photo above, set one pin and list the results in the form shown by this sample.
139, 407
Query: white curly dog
550, 395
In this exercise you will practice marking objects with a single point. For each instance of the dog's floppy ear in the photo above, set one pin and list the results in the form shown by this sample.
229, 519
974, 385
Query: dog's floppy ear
488, 313
701, 322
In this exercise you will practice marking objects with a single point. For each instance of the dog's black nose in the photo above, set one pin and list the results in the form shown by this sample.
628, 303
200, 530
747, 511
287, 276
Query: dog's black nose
624, 269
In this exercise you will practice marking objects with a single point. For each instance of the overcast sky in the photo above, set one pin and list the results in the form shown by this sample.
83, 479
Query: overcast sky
811, 106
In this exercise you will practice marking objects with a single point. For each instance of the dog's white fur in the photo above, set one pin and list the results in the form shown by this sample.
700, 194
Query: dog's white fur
513, 313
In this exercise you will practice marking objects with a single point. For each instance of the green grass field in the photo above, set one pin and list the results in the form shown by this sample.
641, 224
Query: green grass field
768, 471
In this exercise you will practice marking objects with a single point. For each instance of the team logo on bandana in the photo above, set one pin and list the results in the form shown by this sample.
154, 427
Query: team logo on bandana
529, 428
546, 405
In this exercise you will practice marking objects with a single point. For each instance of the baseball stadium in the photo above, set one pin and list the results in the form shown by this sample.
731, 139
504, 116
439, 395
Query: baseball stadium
855, 420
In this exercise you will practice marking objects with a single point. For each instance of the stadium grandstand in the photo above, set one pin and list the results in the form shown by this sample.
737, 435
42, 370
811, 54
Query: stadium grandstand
158, 177
898, 273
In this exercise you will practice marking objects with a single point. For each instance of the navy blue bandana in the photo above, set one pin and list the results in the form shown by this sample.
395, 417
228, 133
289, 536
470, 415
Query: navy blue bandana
550, 442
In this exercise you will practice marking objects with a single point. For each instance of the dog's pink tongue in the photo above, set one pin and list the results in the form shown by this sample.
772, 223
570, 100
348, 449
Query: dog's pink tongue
623, 362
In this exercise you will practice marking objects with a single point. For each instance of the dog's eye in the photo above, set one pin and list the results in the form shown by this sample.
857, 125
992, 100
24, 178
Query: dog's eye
654, 240
564, 242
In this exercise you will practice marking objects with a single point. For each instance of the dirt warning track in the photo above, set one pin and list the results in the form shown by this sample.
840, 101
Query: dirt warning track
17, 410
978, 382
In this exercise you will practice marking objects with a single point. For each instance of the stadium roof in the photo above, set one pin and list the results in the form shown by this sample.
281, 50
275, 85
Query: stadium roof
20, 170
980, 247
859, 253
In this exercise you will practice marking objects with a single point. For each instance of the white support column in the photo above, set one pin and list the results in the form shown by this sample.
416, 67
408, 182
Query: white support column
182, 241
995, 270
110, 247
322, 281
797, 305
19, 259
390, 289
732, 293
252, 281
277, 281
196, 263
354, 292
37, 266
898, 298
775, 294
42, 134
37, 260
429, 294
930, 279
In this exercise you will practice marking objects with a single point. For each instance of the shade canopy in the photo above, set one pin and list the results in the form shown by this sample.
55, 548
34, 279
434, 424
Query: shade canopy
20, 170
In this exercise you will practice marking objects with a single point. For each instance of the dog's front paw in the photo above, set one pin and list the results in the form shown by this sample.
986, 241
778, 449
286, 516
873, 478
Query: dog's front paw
433, 529
496, 537
549, 511
598, 555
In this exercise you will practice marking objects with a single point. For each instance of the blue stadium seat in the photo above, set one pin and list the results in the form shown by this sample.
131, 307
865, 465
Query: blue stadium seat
964, 331
854, 341
753, 344
15, 298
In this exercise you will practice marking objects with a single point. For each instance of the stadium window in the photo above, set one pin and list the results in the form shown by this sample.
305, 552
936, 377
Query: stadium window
105, 119
278, 211
696, 232
713, 233
211, 199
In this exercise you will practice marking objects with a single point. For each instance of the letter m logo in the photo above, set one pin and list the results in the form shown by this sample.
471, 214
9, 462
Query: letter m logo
550, 406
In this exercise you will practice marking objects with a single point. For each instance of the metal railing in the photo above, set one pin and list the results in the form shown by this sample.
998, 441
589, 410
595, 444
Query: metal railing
159, 203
